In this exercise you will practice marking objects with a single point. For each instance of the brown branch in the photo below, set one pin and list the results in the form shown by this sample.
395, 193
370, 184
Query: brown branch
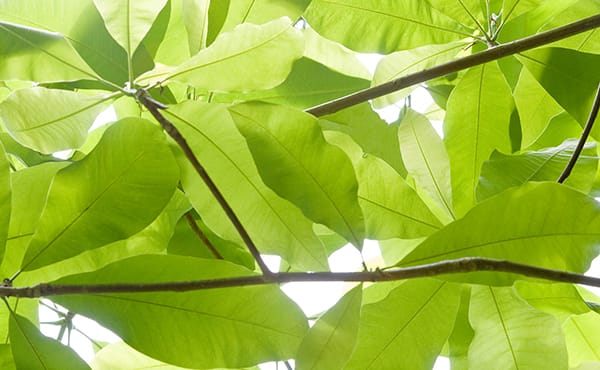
154, 108
486, 56
194, 226
462, 265
584, 136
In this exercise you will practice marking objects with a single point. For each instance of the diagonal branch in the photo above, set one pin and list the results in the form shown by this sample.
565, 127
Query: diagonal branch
486, 56
154, 108
194, 226
462, 265
584, 136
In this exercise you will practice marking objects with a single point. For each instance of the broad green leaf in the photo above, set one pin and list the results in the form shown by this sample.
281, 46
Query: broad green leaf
510, 334
536, 107
553, 236
308, 84
505, 171
128, 21
391, 208
120, 356
114, 192
466, 12
267, 53
203, 328
405, 62
582, 334
330, 342
22, 154
394, 250
571, 77
6, 358
50, 120
398, 27
37, 55
5, 200
275, 225
426, 159
32, 350
261, 11
408, 328
588, 42
477, 122
295, 161
559, 300
196, 20
561, 127
372, 133
462, 334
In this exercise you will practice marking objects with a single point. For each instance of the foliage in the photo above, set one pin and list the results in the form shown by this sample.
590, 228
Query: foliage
212, 161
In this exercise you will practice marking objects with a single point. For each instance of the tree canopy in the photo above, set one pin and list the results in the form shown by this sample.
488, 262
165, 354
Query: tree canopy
250, 128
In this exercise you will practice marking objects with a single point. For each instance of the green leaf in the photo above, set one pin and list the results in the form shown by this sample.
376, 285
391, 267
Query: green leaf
117, 190
50, 120
561, 127
571, 78
426, 159
195, 16
553, 236
204, 328
462, 333
505, 171
267, 53
414, 319
330, 342
391, 208
308, 84
477, 122
32, 350
6, 358
405, 62
295, 161
128, 21
5, 200
510, 334
559, 300
582, 334
398, 27
37, 55
274, 224
367, 129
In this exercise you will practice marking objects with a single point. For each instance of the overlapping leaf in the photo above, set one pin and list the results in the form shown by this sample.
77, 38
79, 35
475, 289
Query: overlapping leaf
134, 176
583, 338
295, 161
476, 123
398, 27
5, 199
510, 334
330, 342
414, 319
275, 225
32, 350
562, 233
559, 300
50, 120
206, 328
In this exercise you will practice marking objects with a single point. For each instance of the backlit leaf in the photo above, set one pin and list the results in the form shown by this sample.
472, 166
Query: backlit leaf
582, 334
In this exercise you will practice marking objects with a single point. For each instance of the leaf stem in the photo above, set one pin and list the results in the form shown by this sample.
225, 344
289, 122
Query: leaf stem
154, 108
584, 136
488, 55
194, 226
457, 266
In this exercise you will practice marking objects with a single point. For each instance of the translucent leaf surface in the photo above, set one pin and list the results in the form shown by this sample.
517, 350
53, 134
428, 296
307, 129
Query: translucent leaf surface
330, 342
275, 225
398, 27
134, 176
554, 236
205, 328
477, 122
582, 334
295, 161
504, 171
559, 300
32, 350
414, 319
50, 120
5, 199
267, 53
426, 159
510, 334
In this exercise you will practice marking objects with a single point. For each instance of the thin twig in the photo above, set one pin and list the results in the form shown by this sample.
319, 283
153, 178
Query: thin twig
154, 108
584, 136
194, 226
485, 56
462, 265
